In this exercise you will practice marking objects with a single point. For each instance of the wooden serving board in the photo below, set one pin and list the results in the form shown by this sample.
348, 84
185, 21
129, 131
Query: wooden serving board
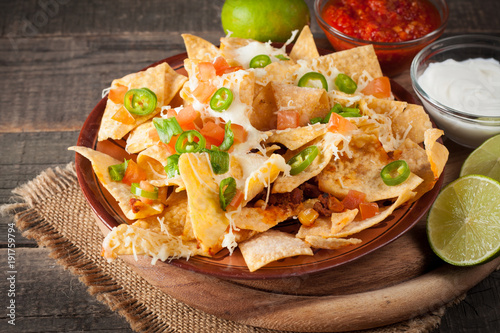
396, 282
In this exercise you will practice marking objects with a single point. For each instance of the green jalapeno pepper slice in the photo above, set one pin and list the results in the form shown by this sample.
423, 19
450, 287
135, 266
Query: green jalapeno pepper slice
260, 61
137, 190
395, 173
140, 102
186, 144
313, 80
303, 159
221, 99
345, 84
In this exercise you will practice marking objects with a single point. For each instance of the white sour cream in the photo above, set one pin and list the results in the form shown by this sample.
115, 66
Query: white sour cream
471, 86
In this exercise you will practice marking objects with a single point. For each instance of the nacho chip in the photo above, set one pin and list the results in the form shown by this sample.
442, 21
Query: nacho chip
199, 49
360, 225
120, 191
141, 138
173, 219
351, 62
294, 138
264, 175
161, 79
138, 239
327, 146
275, 96
436, 152
305, 46
153, 160
361, 172
330, 243
279, 71
328, 226
259, 219
414, 116
270, 246
208, 220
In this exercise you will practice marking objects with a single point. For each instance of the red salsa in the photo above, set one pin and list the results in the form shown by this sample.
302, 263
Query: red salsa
382, 20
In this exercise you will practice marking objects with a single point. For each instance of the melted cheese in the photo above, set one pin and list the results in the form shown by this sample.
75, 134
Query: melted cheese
246, 53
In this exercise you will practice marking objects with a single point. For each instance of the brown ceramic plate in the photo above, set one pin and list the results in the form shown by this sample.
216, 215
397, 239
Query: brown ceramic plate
223, 265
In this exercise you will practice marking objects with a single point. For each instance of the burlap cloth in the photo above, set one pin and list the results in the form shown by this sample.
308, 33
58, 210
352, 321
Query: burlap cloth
52, 210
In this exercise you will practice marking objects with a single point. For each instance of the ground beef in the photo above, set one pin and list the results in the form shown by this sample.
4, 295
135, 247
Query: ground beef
293, 198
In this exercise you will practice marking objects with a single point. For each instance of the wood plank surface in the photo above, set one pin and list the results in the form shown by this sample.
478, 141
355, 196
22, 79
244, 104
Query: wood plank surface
56, 56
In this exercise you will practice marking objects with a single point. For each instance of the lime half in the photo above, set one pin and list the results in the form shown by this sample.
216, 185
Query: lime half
463, 226
484, 160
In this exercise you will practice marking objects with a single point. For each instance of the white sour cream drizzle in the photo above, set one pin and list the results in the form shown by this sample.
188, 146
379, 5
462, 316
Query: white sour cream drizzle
471, 86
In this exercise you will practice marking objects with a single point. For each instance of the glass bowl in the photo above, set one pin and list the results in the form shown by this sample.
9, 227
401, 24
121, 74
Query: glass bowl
395, 57
466, 129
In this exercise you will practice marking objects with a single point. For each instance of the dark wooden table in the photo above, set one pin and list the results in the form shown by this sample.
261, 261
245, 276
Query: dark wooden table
56, 56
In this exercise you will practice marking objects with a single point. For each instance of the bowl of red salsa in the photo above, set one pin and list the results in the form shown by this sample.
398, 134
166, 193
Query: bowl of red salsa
398, 29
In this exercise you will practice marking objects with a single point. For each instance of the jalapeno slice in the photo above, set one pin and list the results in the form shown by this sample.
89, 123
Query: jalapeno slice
345, 84
303, 159
260, 61
137, 190
395, 173
221, 99
140, 102
281, 57
186, 144
313, 80
228, 137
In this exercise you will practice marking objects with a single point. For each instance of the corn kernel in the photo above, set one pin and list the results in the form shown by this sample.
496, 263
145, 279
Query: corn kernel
308, 216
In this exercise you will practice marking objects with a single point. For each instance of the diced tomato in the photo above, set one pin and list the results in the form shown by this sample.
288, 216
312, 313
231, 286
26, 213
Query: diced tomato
288, 119
237, 199
123, 116
171, 113
206, 71
204, 92
379, 88
172, 143
220, 65
214, 132
133, 174
353, 199
340, 124
117, 94
186, 117
240, 134
368, 209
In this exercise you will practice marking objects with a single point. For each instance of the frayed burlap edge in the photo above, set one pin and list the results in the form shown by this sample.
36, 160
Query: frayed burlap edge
104, 287
67, 254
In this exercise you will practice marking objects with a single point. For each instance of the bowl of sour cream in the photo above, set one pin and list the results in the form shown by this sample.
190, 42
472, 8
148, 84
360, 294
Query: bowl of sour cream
458, 81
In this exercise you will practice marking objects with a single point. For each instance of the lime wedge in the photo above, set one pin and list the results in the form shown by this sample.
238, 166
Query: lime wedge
484, 160
463, 226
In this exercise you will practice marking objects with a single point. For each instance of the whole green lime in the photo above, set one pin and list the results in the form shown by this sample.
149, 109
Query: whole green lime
264, 20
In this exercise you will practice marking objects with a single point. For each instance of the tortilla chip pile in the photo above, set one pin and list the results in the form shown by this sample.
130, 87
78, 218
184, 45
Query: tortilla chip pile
189, 215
